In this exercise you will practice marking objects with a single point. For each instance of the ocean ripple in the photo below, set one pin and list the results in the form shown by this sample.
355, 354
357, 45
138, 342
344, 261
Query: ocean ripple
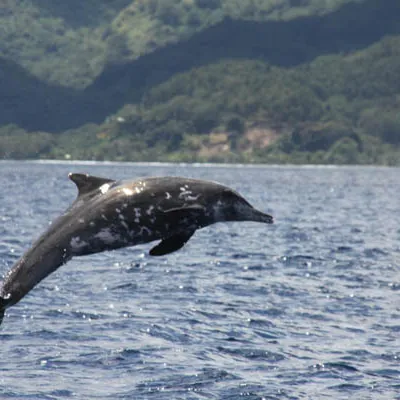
306, 308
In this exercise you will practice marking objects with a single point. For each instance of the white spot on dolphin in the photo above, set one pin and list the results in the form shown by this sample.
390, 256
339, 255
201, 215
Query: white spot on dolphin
192, 198
104, 188
81, 220
118, 210
138, 214
104, 217
77, 244
168, 195
125, 225
106, 236
150, 210
185, 194
121, 217
127, 191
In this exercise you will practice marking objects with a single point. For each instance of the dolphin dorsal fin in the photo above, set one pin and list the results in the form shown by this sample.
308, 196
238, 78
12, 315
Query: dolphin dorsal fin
87, 183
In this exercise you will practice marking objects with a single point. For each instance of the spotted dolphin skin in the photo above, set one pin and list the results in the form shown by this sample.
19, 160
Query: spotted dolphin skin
109, 214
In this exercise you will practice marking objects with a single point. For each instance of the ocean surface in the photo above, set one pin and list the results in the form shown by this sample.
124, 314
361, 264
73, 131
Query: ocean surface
307, 308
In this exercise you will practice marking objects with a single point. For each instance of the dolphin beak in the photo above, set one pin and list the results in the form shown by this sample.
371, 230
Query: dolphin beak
257, 216
261, 217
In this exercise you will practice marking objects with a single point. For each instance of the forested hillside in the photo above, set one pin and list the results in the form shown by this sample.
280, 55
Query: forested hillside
306, 81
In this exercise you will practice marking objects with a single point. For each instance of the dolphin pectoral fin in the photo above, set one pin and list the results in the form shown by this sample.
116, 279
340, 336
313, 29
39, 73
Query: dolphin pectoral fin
171, 244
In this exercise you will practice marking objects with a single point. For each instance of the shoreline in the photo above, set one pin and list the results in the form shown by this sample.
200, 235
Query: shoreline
197, 164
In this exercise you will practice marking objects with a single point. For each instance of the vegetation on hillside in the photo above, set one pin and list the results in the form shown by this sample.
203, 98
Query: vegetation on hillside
70, 42
208, 97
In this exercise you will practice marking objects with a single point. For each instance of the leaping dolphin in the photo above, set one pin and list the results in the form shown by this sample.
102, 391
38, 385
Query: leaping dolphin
109, 214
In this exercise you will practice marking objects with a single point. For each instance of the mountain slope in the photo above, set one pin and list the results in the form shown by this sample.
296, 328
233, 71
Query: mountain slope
40, 35
227, 80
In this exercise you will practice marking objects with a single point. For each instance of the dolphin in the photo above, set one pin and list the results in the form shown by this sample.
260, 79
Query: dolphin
109, 214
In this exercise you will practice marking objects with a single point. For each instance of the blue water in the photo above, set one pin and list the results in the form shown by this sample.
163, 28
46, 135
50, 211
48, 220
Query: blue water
308, 308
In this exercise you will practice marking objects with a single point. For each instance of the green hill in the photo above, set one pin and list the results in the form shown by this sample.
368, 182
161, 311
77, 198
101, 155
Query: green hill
206, 80
70, 43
